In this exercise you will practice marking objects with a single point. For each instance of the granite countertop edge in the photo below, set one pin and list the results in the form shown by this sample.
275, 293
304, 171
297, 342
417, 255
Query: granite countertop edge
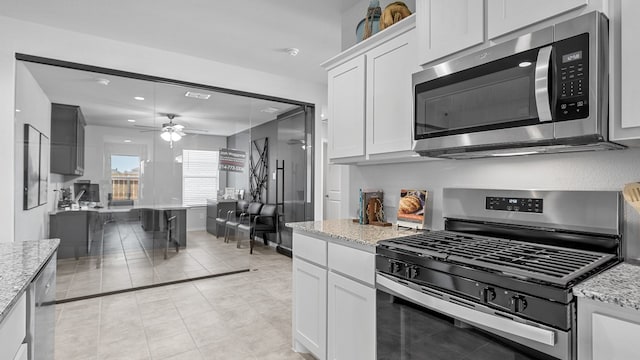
347, 231
14, 279
619, 286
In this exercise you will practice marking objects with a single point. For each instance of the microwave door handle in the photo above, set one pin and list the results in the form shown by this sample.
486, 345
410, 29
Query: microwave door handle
542, 84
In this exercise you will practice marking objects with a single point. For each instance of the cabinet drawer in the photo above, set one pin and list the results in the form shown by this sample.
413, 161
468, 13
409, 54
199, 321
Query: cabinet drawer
355, 263
311, 249
13, 329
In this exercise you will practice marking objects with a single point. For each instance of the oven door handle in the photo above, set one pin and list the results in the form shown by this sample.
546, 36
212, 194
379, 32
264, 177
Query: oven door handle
467, 313
543, 105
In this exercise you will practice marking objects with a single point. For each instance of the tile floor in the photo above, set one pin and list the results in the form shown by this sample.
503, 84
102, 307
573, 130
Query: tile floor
127, 262
240, 316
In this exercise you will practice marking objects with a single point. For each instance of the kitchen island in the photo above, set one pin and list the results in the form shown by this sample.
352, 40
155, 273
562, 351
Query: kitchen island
334, 295
27, 281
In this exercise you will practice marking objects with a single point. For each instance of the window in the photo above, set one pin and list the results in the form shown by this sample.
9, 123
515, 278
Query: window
125, 177
199, 176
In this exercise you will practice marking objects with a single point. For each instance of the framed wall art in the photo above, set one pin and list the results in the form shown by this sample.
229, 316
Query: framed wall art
44, 169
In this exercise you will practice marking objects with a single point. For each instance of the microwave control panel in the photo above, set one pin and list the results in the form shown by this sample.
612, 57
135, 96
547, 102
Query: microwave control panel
571, 57
528, 205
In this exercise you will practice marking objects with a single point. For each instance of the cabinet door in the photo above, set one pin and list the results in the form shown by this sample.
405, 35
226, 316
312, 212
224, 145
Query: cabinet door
630, 51
389, 95
346, 109
310, 307
352, 319
446, 27
504, 16
614, 338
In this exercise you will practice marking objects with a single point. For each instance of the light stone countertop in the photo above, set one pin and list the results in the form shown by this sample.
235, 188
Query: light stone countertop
349, 231
20, 262
619, 285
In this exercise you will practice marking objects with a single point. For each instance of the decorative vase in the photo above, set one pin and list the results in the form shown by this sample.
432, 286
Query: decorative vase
375, 27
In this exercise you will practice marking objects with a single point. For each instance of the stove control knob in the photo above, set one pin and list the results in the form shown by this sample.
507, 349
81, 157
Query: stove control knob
518, 303
487, 294
412, 272
394, 266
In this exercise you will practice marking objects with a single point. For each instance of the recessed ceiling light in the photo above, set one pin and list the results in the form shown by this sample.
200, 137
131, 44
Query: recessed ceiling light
270, 110
292, 51
103, 81
196, 95
18, 110
127, 141
139, 98
131, 120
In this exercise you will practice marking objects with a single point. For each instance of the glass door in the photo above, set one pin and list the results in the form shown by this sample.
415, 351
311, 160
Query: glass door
495, 95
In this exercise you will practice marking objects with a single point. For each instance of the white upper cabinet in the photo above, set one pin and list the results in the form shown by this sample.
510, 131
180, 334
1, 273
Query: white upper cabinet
625, 50
448, 26
504, 16
346, 109
389, 100
370, 97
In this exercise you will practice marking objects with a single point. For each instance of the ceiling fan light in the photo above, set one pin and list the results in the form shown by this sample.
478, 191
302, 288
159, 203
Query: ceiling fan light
175, 136
166, 136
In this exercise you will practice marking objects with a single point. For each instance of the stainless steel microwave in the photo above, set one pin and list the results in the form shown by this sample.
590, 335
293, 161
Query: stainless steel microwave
543, 92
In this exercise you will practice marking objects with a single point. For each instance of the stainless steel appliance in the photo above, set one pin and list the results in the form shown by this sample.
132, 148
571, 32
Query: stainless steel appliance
41, 314
546, 91
496, 283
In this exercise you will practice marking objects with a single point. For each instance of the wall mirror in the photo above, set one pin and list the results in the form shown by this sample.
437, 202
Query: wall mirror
141, 168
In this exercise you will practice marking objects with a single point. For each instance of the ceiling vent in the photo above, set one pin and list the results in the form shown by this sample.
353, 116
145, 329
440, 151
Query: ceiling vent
196, 95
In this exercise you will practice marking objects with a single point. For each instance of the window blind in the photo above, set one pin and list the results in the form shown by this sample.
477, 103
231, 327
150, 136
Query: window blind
199, 176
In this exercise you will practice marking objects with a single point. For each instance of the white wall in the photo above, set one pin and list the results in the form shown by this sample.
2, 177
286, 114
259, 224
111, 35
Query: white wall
33, 39
352, 17
35, 109
604, 170
161, 182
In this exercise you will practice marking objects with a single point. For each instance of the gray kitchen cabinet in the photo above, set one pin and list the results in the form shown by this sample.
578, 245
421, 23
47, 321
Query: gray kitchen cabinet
446, 27
607, 331
67, 140
74, 230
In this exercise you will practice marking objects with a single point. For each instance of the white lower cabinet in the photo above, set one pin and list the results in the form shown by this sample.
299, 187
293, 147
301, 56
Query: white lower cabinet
607, 332
334, 300
351, 319
310, 308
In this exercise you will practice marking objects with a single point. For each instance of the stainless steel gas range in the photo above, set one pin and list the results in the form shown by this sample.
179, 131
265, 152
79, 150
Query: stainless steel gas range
496, 283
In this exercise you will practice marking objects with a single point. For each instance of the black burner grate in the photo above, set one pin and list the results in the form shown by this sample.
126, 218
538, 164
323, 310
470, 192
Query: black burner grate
553, 264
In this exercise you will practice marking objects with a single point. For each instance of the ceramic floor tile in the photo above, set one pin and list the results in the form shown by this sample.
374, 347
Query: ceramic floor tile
162, 348
240, 316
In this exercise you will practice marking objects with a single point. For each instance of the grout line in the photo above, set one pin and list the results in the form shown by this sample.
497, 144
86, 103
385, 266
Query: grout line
144, 287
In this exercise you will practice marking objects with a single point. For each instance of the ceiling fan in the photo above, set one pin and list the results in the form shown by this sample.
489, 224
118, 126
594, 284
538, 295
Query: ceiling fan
171, 131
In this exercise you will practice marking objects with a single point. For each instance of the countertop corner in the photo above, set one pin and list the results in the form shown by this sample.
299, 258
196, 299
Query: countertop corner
619, 285
20, 262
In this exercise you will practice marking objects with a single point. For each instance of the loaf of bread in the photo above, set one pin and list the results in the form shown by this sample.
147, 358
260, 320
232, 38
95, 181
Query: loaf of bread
409, 204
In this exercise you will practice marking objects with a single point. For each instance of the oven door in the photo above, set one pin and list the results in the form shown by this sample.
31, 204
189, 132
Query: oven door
416, 322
